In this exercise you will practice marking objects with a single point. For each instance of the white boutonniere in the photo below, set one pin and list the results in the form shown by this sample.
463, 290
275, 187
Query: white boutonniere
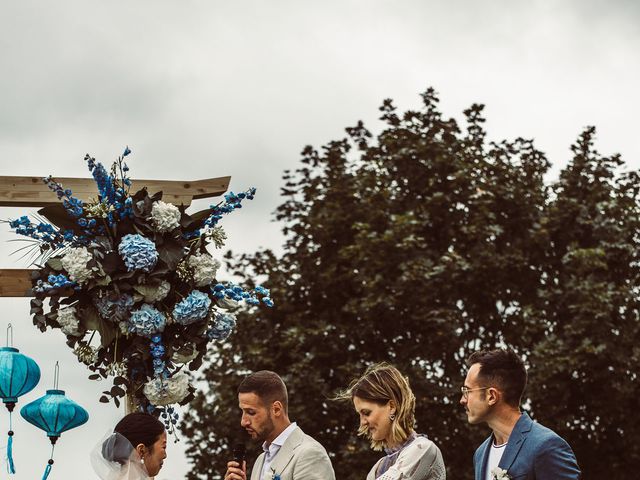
499, 474
274, 475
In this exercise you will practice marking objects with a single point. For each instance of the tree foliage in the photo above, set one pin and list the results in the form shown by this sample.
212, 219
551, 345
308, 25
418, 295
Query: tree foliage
419, 246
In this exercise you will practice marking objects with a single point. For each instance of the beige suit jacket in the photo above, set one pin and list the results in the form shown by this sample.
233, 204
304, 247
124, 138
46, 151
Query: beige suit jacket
299, 458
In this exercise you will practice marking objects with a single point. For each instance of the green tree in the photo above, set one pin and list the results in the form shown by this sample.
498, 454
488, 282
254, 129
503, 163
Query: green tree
417, 247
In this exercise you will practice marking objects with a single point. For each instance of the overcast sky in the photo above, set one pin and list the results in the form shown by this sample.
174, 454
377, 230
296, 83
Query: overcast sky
202, 89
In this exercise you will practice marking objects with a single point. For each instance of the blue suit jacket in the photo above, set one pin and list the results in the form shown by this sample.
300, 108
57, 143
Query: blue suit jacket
533, 452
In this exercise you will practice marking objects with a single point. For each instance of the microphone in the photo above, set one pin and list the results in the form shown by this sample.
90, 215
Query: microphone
239, 452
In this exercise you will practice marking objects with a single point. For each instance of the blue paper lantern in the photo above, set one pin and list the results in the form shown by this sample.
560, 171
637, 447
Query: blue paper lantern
54, 413
19, 374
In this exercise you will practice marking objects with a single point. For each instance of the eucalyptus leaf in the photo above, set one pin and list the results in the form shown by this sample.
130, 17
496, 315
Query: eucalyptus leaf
55, 263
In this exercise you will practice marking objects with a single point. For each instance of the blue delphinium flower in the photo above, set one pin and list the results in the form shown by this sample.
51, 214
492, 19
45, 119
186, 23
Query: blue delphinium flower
232, 201
223, 326
138, 252
73, 205
104, 181
235, 292
193, 308
146, 321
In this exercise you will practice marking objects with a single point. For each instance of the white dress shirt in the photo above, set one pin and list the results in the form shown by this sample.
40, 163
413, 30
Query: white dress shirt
271, 450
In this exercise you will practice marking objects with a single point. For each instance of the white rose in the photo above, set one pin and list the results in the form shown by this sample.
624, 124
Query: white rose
204, 268
75, 263
165, 216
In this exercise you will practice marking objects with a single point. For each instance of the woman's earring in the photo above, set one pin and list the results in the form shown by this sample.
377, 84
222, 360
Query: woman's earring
392, 417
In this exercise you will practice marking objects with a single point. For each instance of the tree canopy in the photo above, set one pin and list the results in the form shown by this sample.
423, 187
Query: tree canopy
418, 246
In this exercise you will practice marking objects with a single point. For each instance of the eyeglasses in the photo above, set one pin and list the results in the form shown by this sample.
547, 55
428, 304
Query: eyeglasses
465, 391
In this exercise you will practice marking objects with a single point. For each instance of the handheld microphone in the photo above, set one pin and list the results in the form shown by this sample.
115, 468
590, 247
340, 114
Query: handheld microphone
239, 452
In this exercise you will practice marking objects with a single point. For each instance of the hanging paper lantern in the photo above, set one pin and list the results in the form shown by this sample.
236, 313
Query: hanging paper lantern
19, 374
54, 413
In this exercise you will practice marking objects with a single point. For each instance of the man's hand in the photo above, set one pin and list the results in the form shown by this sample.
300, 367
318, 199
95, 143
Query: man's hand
234, 472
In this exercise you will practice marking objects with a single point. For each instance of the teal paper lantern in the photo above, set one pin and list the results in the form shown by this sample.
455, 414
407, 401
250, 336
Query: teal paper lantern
54, 413
19, 374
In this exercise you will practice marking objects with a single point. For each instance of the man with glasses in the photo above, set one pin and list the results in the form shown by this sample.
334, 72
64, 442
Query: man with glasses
518, 447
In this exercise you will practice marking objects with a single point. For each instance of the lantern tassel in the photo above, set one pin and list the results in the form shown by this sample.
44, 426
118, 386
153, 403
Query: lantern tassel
11, 467
47, 471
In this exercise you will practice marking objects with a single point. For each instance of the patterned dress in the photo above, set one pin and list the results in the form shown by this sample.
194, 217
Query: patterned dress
416, 459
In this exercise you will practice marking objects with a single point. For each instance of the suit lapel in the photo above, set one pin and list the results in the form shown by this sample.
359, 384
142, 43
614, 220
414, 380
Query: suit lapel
257, 467
285, 454
516, 440
481, 466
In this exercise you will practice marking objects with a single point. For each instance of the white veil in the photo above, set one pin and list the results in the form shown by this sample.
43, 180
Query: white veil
114, 458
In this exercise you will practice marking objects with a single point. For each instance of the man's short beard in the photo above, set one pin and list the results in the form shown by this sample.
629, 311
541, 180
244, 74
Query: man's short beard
267, 430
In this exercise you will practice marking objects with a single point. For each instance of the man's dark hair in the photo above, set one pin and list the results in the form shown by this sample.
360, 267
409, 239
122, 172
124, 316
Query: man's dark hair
267, 385
503, 368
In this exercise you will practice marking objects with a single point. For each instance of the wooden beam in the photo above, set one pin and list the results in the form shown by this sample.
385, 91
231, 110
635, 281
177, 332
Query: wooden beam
32, 192
15, 282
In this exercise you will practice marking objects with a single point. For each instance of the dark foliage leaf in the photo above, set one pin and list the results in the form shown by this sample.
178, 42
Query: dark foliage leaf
58, 216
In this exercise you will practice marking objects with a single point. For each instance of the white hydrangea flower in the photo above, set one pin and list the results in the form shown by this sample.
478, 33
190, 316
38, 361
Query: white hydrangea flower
159, 293
165, 216
75, 263
165, 391
68, 321
204, 268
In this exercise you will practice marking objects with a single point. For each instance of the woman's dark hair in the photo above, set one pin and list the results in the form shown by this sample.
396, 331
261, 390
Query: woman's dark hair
138, 428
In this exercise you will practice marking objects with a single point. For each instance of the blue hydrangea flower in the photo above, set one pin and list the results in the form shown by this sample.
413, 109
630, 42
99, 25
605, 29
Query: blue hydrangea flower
138, 252
193, 308
146, 321
108, 307
223, 326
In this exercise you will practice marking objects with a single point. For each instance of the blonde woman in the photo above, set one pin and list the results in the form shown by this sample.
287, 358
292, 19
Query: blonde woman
385, 404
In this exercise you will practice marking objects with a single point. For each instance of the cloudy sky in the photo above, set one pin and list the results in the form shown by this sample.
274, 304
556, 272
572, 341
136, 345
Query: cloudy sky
202, 89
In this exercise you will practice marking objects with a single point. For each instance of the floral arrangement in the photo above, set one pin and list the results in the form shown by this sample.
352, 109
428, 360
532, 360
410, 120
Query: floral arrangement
499, 474
135, 270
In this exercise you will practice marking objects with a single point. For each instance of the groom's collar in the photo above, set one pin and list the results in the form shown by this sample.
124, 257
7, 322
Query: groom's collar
280, 439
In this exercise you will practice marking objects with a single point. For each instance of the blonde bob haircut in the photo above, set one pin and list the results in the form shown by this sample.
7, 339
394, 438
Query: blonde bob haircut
380, 384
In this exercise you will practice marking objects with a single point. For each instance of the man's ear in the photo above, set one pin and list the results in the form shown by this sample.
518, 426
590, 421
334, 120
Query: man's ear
277, 408
493, 395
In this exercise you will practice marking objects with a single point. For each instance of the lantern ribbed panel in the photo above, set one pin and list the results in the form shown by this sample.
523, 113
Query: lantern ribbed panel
54, 413
18, 374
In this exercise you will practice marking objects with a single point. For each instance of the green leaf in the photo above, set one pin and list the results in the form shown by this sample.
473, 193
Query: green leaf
107, 331
171, 253
89, 318
55, 263
57, 215
117, 391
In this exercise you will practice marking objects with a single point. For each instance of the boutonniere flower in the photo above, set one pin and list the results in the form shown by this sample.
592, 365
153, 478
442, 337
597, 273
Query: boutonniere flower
274, 475
499, 474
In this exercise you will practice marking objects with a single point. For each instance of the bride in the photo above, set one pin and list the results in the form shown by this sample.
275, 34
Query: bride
134, 451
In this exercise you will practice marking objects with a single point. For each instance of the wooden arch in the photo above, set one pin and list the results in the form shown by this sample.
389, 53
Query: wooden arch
32, 192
